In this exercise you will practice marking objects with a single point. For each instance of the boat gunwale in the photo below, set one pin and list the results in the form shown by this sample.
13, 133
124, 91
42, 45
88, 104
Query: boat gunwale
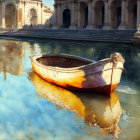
70, 70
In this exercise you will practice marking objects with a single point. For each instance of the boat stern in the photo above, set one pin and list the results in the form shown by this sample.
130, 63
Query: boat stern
118, 62
112, 72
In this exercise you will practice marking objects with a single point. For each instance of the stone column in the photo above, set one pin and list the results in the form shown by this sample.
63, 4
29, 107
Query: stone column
0, 14
38, 10
123, 16
109, 17
137, 34
73, 14
23, 11
106, 24
138, 12
3, 14
56, 15
60, 16
17, 15
26, 20
90, 26
56, 25
127, 16
78, 15
93, 16
42, 13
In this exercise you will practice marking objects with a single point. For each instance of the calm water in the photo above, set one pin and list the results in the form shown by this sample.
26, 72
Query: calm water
32, 109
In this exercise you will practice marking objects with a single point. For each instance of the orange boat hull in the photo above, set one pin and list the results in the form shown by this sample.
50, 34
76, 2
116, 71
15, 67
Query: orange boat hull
101, 77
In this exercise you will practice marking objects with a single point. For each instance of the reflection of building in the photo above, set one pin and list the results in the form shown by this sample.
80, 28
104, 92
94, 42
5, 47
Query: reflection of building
108, 14
11, 55
16, 14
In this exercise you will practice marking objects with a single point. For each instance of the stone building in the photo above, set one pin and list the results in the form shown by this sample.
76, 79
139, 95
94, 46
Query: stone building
47, 13
18, 13
97, 14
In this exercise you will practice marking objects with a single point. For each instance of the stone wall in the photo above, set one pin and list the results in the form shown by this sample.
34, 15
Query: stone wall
97, 14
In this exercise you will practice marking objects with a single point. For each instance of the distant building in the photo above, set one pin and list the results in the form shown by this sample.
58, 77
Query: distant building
97, 14
47, 13
19, 13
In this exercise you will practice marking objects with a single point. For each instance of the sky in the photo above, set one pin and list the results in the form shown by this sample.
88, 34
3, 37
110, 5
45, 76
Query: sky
49, 3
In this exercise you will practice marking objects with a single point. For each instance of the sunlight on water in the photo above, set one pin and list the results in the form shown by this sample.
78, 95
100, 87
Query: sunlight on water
33, 109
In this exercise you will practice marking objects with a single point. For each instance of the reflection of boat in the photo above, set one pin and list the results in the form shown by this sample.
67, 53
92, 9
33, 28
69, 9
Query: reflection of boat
80, 74
94, 109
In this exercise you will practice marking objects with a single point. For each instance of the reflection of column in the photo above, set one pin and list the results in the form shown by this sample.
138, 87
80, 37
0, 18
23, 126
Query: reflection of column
78, 15
123, 16
3, 14
138, 12
90, 26
73, 14
106, 25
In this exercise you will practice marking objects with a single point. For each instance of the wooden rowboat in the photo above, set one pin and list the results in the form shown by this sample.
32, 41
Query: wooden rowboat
80, 74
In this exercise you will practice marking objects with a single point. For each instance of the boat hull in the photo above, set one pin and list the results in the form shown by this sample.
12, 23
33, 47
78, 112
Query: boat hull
100, 77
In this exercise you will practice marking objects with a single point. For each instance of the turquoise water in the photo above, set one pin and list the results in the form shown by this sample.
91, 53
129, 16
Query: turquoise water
32, 109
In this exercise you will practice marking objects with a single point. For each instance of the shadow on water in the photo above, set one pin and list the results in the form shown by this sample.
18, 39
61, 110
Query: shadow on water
93, 108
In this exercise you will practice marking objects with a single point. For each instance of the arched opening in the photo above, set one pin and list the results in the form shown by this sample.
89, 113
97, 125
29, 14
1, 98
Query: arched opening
99, 14
10, 16
33, 19
132, 14
119, 11
83, 15
116, 13
66, 18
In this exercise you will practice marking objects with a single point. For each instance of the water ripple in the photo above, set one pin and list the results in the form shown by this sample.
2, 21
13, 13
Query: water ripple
126, 89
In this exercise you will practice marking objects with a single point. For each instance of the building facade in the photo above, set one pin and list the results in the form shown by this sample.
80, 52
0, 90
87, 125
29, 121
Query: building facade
19, 13
46, 14
97, 14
